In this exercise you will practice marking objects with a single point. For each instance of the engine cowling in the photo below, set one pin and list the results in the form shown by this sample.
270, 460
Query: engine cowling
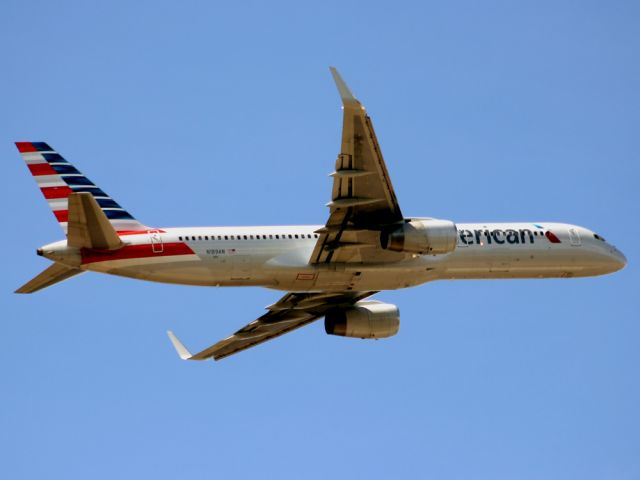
423, 236
364, 320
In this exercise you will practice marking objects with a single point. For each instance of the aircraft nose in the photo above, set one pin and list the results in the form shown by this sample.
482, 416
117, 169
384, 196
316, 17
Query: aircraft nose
617, 258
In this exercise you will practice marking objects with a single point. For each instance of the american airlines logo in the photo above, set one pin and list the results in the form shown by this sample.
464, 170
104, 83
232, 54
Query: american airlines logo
509, 236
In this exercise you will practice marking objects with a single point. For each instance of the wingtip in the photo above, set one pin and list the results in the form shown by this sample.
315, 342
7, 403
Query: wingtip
345, 92
180, 348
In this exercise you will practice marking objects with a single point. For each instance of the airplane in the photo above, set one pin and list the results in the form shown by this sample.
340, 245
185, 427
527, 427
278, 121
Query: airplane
366, 245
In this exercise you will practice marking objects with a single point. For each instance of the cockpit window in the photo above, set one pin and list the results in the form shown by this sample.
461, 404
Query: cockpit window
598, 237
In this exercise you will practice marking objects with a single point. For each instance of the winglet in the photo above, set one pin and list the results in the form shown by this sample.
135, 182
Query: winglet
180, 348
345, 93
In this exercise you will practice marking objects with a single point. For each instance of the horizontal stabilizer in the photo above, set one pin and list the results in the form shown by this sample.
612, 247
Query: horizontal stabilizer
52, 275
88, 225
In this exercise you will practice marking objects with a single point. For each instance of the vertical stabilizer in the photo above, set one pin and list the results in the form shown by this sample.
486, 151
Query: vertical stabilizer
57, 179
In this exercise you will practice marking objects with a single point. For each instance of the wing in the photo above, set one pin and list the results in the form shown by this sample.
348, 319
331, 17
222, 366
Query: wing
292, 311
362, 201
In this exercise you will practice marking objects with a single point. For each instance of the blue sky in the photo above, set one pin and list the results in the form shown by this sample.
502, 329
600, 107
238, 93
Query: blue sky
224, 113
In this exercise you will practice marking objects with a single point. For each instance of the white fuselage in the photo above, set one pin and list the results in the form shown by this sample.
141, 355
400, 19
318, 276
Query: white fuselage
278, 257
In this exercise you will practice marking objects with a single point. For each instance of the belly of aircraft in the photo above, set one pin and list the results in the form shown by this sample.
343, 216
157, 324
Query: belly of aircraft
247, 270
243, 272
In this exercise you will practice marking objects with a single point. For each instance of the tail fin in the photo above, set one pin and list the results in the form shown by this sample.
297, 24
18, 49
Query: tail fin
54, 274
57, 178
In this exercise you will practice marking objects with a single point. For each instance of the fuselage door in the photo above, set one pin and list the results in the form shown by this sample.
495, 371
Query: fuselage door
156, 241
574, 237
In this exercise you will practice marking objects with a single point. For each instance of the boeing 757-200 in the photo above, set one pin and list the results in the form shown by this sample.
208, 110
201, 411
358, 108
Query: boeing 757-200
330, 270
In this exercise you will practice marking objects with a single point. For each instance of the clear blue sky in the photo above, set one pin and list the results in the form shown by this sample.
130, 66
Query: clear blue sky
224, 113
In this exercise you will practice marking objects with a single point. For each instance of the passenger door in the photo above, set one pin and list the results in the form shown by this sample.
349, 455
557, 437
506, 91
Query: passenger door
574, 238
156, 241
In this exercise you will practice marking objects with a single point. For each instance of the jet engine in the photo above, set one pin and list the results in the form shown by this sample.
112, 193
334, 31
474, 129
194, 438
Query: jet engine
423, 236
369, 319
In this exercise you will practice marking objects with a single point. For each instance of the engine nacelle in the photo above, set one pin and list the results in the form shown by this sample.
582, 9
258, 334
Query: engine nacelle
423, 236
364, 320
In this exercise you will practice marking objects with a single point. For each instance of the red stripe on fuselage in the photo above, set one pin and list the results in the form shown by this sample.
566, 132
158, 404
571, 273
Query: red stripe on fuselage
37, 169
25, 147
56, 192
139, 232
130, 252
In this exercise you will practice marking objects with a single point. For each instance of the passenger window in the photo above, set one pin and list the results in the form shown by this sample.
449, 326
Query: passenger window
271, 237
278, 237
180, 238
290, 236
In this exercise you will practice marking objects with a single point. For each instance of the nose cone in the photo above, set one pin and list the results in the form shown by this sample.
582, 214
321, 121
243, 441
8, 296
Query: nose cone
617, 259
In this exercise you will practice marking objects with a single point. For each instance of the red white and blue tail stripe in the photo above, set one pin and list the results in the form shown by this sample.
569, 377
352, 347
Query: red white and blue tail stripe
57, 178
